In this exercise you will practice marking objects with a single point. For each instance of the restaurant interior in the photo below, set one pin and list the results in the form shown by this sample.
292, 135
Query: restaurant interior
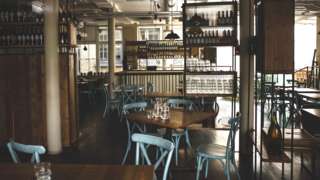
159, 89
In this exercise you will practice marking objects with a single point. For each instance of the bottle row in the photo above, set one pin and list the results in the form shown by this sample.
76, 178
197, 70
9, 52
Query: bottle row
32, 38
211, 37
19, 16
220, 18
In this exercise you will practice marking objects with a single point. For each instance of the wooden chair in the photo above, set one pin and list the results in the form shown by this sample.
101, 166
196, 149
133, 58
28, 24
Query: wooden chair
34, 150
127, 108
208, 152
178, 133
143, 141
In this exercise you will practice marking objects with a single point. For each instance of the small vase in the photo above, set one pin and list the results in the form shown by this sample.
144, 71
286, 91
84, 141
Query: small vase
274, 136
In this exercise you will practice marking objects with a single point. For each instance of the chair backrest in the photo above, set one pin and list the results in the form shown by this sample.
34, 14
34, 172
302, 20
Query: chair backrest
234, 126
174, 103
166, 148
34, 150
136, 106
149, 87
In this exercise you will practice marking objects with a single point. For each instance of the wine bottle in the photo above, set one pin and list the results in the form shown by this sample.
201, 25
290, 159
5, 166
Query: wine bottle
218, 18
222, 18
274, 142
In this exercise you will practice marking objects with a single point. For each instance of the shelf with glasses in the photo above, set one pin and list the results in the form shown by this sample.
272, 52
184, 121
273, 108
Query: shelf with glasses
216, 83
206, 26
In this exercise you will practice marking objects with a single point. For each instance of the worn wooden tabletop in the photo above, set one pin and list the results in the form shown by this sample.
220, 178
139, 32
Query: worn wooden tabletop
178, 118
79, 172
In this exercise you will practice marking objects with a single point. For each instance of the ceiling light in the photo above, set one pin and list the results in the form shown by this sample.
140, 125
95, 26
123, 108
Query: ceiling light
37, 6
172, 35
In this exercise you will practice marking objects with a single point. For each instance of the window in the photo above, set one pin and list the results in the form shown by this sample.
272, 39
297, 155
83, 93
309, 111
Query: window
87, 58
149, 33
103, 54
103, 47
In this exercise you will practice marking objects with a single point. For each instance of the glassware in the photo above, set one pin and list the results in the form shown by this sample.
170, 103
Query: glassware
42, 171
149, 114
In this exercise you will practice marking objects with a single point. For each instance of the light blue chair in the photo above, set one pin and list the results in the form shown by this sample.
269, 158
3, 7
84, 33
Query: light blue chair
178, 133
208, 152
131, 127
110, 102
34, 150
143, 141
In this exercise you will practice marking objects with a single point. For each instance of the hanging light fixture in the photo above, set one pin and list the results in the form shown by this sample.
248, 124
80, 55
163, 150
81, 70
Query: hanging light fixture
172, 35
195, 22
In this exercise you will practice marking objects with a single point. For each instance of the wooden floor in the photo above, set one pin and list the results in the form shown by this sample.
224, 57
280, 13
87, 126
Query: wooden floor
103, 141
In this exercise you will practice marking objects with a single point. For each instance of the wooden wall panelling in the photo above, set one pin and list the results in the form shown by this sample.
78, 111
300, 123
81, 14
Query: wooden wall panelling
37, 99
19, 97
277, 36
72, 99
64, 99
4, 125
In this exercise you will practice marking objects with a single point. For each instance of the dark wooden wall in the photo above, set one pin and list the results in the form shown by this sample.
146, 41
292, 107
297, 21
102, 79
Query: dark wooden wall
275, 32
22, 97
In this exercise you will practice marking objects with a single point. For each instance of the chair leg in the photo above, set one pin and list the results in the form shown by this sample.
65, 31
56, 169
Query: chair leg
228, 169
198, 167
186, 133
176, 140
207, 168
126, 153
128, 143
236, 169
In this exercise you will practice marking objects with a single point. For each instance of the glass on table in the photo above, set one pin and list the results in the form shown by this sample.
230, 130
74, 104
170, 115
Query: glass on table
149, 114
42, 171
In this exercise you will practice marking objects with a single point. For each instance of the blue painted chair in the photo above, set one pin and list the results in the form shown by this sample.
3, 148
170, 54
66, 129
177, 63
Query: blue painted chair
166, 147
110, 102
34, 150
208, 152
178, 133
131, 127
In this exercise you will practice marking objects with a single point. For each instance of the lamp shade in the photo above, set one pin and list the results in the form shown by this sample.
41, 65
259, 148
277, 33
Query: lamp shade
172, 35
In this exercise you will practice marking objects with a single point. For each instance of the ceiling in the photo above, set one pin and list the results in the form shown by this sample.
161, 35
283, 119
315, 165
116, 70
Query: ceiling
146, 11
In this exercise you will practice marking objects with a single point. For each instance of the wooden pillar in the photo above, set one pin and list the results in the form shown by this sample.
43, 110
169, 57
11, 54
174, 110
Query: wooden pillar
111, 51
52, 77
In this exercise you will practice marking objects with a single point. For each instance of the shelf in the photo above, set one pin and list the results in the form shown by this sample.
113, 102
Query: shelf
157, 94
211, 44
208, 95
267, 157
207, 27
212, 73
20, 24
22, 47
209, 4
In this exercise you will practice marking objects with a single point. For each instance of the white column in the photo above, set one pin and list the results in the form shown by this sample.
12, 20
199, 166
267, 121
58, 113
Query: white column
246, 89
111, 51
318, 38
52, 77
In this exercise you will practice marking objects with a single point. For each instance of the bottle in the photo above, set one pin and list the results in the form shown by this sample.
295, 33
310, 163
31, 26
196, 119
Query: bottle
274, 141
222, 18
218, 18
231, 17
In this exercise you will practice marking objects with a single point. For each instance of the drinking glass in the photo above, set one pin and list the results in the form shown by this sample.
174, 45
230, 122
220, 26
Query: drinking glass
42, 171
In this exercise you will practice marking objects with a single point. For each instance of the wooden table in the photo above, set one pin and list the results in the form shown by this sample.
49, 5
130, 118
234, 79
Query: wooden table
178, 118
311, 120
312, 96
79, 172
306, 90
